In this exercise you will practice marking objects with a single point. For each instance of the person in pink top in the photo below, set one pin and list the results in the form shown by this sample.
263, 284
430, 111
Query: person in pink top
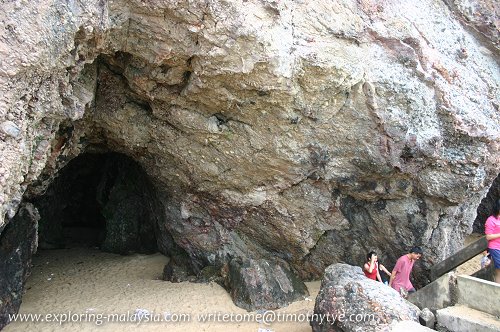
492, 231
400, 276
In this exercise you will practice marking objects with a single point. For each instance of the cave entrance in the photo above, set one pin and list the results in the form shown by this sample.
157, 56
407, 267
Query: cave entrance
100, 200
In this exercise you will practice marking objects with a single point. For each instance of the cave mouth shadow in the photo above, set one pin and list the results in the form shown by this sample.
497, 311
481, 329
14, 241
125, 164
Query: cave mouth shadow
485, 208
102, 200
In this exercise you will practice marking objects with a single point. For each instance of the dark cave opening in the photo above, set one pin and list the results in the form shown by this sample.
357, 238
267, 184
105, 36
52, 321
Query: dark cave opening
100, 200
485, 209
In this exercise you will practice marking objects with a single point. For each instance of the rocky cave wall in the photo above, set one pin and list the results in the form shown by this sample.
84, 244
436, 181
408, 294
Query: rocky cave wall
308, 131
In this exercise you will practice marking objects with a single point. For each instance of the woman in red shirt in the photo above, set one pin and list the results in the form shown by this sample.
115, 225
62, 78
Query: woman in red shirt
371, 267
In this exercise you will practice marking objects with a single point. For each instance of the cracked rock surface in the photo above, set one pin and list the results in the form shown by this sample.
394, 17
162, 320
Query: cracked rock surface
310, 131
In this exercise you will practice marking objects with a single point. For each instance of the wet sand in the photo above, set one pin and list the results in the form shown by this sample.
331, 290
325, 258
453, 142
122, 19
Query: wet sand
87, 281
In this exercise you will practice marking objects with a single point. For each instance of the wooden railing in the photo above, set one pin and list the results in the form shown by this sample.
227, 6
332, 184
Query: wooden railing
459, 258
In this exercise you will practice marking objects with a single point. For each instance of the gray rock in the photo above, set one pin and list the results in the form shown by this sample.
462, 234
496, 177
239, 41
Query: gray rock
9, 128
427, 318
210, 274
312, 130
263, 284
178, 269
356, 303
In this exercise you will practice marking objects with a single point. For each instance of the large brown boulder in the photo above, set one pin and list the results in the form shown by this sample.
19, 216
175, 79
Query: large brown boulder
263, 284
355, 303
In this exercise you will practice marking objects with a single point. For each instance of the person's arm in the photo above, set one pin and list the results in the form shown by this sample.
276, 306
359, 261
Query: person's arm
393, 275
370, 266
488, 230
395, 271
490, 237
384, 269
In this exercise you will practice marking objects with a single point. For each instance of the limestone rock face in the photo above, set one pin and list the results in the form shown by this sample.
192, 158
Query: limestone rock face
352, 302
481, 16
309, 130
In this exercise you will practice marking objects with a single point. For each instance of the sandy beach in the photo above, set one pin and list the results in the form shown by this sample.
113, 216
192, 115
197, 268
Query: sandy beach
88, 282
79, 285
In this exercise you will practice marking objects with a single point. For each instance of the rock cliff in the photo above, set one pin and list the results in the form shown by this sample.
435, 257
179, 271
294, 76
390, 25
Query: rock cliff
310, 131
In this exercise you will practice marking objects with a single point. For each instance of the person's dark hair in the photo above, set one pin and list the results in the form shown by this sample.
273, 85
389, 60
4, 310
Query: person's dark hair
496, 208
370, 254
416, 250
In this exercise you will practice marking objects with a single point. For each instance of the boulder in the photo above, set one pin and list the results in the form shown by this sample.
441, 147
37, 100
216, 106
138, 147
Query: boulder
427, 318
210, 274
263, 284
178, 269
352, 302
